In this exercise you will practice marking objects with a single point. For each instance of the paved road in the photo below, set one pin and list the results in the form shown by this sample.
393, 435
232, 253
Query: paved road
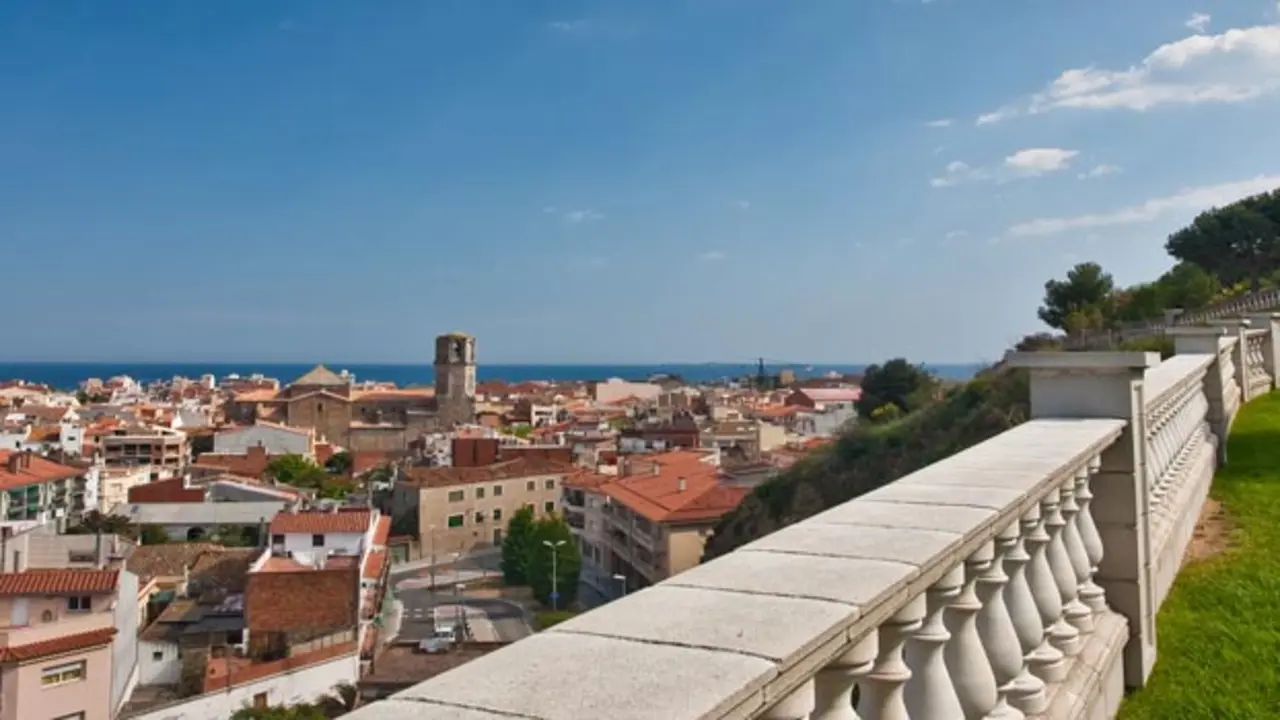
490, 560
508, 619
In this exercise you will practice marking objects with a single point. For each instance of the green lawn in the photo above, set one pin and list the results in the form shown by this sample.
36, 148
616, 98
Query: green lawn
548, 618
1218, 634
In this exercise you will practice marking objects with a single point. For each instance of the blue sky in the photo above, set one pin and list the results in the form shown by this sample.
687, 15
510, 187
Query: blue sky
604, 181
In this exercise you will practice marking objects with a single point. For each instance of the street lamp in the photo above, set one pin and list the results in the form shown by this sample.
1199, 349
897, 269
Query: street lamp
458, 589
555, 589
622, 580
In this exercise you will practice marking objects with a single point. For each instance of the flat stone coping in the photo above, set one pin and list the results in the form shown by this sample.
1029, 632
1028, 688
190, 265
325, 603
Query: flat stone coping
729, 638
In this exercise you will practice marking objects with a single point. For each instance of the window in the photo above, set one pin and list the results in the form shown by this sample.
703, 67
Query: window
457, 495
497, 514
260, 701
456, 521
277, 539
157, 656
550, 484
61, 674
531, 485
235, 637
479, 493
497, 491
549, 506
46, 616
79, 603
317, 541
319, 408
479, 518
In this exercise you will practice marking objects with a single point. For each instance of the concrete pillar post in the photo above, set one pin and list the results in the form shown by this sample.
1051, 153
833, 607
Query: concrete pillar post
1271, 347
1110, 385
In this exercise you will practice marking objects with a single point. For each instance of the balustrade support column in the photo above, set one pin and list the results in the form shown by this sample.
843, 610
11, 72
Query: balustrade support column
798, 705
930, 692
881, 696
1209, 341
1026, 690
834, 684
1237, 328
1271, 346
1110, 385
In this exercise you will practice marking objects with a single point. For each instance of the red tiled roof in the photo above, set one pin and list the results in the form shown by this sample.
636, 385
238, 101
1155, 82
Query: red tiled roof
374, 562
382, 531
321, 521
37, 470
521, 467
57, 646
658, 495
58, 582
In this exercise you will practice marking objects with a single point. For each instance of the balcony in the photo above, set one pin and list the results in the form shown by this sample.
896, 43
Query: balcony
1020, 577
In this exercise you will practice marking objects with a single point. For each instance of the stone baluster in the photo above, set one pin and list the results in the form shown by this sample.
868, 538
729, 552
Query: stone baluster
1062, 634
798, 705
996, 629
1026, 691
834, 684
1047, 660
881, 695
1091, 593
965, 657
1076, 611
930, 691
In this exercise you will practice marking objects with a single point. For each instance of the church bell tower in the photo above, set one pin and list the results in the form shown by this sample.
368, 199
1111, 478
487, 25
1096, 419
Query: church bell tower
456, 378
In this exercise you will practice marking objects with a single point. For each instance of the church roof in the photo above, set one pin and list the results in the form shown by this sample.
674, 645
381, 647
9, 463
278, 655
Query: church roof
320, 375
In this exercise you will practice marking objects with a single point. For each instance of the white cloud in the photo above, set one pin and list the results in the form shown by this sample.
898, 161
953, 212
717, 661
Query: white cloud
941, 123
567, 26
710, 256
576, 217
744, 204
1025, 163
1187, 201
1099, 171
1198, 22
1234, 66
1038, 161
956, 235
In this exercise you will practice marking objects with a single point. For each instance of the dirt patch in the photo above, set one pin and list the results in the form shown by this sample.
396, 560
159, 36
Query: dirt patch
1212, 535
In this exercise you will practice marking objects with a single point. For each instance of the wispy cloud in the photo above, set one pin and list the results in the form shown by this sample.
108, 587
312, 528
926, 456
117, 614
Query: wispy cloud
567, 26
1187, 201
1098, 171
1025, 163
744, 204
710, 256
955, 235
573, 217
1236, 65
1198, 22
940, 123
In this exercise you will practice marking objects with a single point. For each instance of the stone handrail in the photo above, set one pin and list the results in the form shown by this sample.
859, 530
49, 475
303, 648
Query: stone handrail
1018, 578
1244, 305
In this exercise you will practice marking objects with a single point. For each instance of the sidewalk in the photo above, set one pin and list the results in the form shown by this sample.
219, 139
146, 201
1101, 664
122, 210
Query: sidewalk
445, 560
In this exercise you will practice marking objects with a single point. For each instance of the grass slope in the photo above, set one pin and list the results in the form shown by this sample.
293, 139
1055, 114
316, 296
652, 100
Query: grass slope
1218, 634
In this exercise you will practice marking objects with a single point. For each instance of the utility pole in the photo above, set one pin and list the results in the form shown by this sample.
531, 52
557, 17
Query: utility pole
555, 576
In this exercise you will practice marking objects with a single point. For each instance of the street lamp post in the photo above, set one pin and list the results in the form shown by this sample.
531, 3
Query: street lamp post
431, 569
462, 622
555, 578
622, 580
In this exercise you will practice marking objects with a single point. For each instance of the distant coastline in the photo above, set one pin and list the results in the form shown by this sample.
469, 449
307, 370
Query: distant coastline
68, 375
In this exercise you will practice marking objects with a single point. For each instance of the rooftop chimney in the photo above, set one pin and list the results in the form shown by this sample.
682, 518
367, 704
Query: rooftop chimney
681, 484
657, 469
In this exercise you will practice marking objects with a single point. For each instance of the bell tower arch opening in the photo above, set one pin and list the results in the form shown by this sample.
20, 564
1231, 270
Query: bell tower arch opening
455, 371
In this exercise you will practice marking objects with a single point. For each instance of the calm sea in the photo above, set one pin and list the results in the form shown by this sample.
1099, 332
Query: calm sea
69, 375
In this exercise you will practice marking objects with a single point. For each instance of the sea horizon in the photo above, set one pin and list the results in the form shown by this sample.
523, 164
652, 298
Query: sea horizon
66, 375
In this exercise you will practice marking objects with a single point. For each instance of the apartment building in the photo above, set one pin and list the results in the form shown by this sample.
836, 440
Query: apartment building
463, 508
653, 519
114, 485
38, 489
69, 649
165, 451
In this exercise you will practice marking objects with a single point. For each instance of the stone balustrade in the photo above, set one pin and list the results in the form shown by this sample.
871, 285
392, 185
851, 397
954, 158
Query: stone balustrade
1018, 578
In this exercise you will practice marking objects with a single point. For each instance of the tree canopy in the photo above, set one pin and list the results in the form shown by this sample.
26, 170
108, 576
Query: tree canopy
1239, 243
340, 463
568, 561
897, 383
297, 471
515, 547
1079, 302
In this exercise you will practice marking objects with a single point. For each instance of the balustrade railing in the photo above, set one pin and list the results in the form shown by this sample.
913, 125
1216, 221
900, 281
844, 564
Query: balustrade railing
1018, 578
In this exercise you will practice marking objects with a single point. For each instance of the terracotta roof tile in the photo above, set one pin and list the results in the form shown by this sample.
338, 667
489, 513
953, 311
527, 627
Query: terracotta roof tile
58, 582
57, 646
519, 468
37, 470
354, 520
374, 562
653, 489
167, 559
